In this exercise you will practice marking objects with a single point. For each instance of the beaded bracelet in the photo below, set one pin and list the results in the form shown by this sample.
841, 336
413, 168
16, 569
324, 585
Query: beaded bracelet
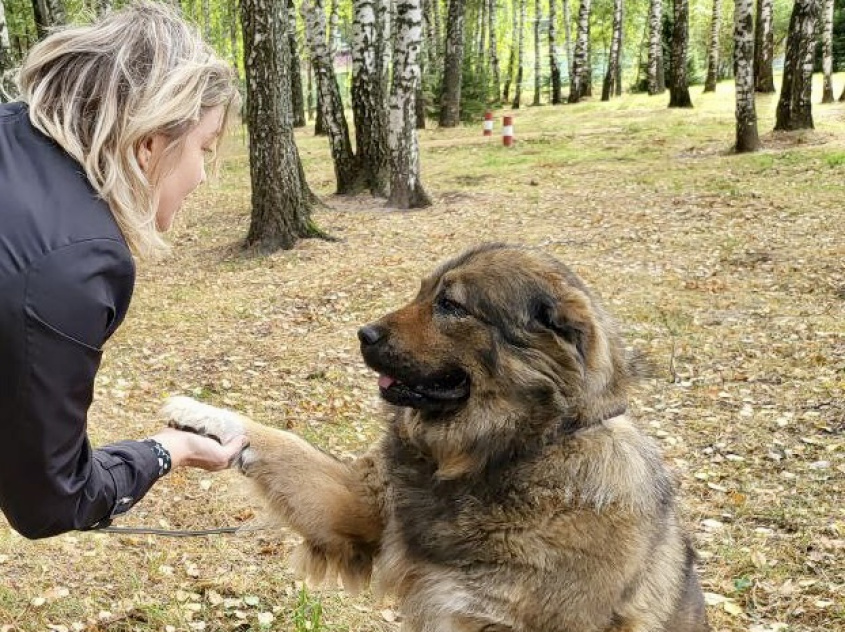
161, 453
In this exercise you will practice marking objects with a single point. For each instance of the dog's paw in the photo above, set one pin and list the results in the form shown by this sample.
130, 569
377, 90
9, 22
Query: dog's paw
185, 413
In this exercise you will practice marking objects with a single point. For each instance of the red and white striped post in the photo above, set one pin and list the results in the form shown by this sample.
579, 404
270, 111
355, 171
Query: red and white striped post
488, 123
507, 131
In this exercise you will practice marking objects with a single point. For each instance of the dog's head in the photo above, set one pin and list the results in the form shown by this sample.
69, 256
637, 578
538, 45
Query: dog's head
501, 329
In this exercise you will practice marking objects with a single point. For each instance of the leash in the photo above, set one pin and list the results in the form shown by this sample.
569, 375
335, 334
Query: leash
177, 533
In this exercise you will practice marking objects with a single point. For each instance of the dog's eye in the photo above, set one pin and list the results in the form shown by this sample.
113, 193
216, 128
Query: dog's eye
448, 307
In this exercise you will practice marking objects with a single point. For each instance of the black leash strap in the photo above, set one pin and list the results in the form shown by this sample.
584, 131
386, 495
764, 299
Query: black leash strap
175, 533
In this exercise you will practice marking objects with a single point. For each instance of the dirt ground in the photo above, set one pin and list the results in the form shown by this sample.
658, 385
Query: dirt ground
727, 270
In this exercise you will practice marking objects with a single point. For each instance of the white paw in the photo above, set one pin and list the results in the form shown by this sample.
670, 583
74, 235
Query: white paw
185, 413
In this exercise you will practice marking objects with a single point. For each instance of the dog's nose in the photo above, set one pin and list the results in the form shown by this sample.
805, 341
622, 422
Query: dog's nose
370, 334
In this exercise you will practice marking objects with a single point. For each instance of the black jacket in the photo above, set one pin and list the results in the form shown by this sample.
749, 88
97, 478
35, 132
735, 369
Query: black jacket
66, 279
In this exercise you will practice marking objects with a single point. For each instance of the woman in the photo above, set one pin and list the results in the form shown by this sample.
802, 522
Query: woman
112, 133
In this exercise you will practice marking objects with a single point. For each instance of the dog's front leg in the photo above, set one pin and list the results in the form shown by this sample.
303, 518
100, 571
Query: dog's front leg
337, 507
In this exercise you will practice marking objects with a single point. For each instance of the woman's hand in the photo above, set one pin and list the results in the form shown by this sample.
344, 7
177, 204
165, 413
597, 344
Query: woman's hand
193, 450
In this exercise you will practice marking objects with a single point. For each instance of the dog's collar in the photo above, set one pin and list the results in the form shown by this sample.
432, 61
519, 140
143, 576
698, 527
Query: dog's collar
569, 425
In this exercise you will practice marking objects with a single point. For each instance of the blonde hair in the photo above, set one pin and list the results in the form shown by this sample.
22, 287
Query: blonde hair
101, 90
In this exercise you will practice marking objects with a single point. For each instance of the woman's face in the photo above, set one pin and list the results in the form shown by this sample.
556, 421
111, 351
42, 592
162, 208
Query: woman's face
183, 171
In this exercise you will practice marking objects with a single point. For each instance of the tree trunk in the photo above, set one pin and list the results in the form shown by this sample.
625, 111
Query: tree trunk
621, 50
384, 39
554, 69
794, 109
334, 33
232, 10
7, 91
538, 14
567, 34
713, 48
297, 101
281, 201
580, 62
827, 51
656, 83
764, 44
48, 14
450, 100
206, 20
103, 7
345, 165
679, 89
747, 138
513, 52
494, 52
520, 55
371, 136
610, 77
406, 190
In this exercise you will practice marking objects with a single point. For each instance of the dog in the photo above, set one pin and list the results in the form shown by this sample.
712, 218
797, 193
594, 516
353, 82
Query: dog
511, 491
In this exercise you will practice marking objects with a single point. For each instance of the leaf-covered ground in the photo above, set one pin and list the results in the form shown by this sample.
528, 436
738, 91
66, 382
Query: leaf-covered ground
727, 270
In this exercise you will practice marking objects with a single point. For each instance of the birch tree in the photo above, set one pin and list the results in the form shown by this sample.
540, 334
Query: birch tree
554, 69
494, 52
713, 46
827, 51
514, 50
371, 138
656, 76
747, 139
281, 200
334, 121
794, 110
580, 62
406, 190
450, 101
6, 92
48, 14
567, 35
297, 102
520, 55
764, 44
610, 77
538, 14
679, 88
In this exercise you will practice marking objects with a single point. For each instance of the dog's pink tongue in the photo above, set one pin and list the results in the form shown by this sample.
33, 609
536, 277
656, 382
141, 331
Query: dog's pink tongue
385, 381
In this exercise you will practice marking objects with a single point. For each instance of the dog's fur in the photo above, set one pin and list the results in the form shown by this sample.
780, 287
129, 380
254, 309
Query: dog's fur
511, 491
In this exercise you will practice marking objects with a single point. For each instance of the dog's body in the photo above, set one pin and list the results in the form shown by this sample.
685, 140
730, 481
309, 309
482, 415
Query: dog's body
510, 492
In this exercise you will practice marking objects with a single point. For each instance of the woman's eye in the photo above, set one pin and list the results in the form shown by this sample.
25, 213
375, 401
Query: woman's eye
449, 307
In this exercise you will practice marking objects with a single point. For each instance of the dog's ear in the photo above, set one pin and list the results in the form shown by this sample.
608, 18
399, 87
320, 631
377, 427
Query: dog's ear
562, 316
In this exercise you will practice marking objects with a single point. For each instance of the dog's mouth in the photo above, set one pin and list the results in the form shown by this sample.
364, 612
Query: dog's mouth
444, 391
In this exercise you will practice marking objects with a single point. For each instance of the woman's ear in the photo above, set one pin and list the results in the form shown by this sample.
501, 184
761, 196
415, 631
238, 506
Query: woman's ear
144, 154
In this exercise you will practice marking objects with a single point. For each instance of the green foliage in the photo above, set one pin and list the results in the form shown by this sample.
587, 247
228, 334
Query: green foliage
308, 613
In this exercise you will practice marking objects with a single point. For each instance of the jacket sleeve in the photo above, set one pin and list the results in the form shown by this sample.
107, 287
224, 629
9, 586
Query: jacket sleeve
51, 481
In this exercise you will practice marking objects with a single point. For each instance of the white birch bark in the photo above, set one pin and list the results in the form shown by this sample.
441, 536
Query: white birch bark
494, 51
580, 61
713, 47
610, 78
827, 51
656, 83
406, 190
747, 138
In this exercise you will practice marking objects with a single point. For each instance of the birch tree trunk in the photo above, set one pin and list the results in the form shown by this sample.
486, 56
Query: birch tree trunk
794, 110
384, 35
554, 69
334, 34
232, 12
514, 49
406, 190
520, 55
206, 20
47, 14
610, 77
6, 83
656, 81
281, 200
764, 43
827, 51
367, 98
103, 7
494, 53
679, 89
297, 102
618, 86
747, 138
450, 101
567, 34
713, 48
538, 14
580, 61
345, 165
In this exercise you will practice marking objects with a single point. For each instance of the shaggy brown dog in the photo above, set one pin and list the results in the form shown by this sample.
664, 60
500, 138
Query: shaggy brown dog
511, 491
